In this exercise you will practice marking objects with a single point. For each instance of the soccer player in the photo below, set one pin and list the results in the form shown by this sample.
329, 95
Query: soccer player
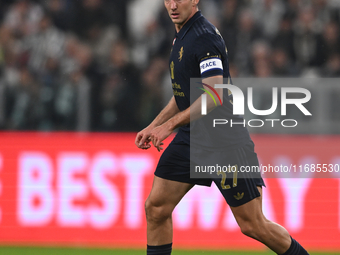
199, 51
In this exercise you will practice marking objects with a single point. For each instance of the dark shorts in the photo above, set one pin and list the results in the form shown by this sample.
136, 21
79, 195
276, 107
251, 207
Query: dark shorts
174, 165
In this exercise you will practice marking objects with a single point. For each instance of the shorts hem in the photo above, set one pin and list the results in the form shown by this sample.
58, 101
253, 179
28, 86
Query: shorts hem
180, 179
246, 201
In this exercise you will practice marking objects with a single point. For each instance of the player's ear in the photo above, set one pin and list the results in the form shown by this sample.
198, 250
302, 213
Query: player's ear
195, 2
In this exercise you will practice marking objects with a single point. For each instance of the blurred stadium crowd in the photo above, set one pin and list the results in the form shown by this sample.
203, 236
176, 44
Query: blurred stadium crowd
76, 65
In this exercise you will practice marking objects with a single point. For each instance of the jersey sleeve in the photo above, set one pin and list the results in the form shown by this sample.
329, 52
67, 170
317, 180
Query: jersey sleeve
208, 51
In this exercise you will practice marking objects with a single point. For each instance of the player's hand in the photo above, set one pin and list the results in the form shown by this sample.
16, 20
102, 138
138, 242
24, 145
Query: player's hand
158, 135
143, 139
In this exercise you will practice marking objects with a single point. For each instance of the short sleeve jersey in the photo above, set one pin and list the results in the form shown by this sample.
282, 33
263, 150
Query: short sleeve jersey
199, 51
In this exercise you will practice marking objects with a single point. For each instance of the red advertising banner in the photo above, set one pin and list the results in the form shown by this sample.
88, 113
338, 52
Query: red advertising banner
89, 189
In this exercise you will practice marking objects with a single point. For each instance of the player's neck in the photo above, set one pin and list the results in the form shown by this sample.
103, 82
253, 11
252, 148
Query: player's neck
180, 26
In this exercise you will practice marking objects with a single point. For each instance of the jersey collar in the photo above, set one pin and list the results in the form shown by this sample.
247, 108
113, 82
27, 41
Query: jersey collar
188, 25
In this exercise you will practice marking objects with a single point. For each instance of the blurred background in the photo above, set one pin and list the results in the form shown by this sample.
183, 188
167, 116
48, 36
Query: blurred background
102, 66
96, 65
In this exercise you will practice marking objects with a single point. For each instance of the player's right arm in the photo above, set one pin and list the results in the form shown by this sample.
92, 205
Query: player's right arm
143, 137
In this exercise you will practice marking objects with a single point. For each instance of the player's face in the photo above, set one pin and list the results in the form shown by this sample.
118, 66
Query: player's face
180, 11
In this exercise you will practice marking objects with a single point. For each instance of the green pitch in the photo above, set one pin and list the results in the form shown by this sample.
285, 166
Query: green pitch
83, 251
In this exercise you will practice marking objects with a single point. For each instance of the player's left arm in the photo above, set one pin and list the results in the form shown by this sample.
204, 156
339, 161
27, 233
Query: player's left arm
190, 114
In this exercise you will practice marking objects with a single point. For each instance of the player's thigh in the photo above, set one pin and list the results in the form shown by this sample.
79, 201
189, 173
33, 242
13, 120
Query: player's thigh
250, 213
167, 193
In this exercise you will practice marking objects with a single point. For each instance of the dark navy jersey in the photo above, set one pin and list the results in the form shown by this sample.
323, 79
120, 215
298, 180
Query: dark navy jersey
199, 51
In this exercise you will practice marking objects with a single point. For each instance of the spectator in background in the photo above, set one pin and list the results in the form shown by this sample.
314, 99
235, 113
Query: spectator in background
77, 55
50, 79
268, 14
118, 98
4, 6
8, 58
166, 25
23, 18
211, 11
84, 59
322, 11
247, 34
50, 74
156, 40
328, 43
100, 40
150, 97
69, 99
305, 37
281, 65
59, 11
332, 68
116, 13
234, 73
9, 75
47, 42
261, 68
292, 8
261, 65
87, 15
284, 39
228, 28
25, 108
68, 61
